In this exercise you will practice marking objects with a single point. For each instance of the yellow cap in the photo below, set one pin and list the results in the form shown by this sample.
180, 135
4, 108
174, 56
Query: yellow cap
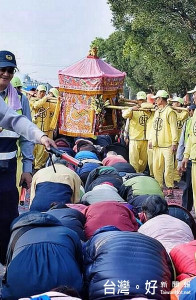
41, 87
141, 96
16, 82
54, 91
161, 94
178, 99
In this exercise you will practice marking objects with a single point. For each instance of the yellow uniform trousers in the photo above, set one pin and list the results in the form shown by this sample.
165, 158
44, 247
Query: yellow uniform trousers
40, 154
193, 172
138, 155
163, 164
150, 161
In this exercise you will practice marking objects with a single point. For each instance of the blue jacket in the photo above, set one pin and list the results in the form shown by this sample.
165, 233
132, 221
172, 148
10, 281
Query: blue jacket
86, 155
115, 256
124, 167
70, 218
48, 193
45, 257
87, 168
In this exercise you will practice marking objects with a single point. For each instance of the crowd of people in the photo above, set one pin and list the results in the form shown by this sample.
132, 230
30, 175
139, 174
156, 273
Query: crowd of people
101, 229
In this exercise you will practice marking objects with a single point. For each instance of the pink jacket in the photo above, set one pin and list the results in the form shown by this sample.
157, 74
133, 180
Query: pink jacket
113, 159
108, 213
168, 230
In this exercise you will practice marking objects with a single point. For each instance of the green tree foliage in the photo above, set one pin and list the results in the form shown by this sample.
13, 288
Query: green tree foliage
154, 42
112, 50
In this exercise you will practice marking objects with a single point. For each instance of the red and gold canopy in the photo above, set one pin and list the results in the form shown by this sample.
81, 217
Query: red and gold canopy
88, 78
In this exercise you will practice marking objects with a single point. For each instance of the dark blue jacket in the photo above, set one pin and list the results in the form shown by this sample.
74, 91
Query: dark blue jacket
50, 192
137, 202
103, 174
183, 214
103, 140
71, 218
124, 167
87, 168
45, 257
115, 256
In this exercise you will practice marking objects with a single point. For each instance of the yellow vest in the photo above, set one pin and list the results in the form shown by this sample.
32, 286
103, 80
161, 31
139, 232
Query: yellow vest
137, 124
19, 111
181, 118
190, 150
42, 112
164, 130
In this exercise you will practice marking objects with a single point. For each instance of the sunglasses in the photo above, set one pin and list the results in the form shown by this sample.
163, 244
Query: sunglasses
10, 70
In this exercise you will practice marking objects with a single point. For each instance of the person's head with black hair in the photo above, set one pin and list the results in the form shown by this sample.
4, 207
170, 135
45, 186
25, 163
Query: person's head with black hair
150, 89
154, 206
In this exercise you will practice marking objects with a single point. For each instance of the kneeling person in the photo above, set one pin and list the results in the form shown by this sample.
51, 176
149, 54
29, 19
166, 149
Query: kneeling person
60, 187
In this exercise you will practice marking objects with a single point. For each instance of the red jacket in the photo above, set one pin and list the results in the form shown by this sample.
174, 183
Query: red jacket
183, 257
113, 159
108, 213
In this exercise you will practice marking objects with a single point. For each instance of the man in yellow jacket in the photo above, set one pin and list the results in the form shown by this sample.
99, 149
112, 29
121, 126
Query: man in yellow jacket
137, 133
42, 112
164, 140
182, 116
190, 150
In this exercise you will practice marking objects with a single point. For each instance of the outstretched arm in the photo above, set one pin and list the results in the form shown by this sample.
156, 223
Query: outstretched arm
10, 120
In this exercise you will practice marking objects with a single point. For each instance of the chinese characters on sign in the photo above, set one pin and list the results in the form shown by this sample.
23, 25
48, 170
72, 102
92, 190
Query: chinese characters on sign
151, 286
122, 287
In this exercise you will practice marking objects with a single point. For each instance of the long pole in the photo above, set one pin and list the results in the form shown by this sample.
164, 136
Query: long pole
143, 109
126, 107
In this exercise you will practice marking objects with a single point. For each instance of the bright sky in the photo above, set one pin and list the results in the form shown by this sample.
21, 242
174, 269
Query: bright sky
48, 35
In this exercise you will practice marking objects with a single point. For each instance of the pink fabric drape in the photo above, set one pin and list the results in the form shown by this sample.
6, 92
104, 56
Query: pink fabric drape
14, 101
